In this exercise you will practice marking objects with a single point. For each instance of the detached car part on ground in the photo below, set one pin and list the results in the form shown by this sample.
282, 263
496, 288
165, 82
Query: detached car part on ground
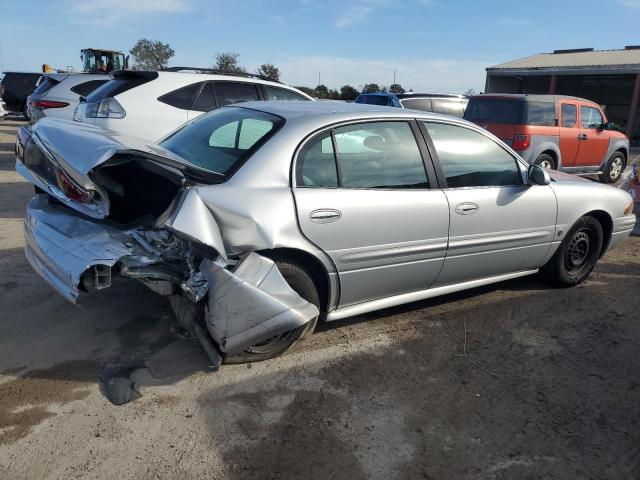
254, 220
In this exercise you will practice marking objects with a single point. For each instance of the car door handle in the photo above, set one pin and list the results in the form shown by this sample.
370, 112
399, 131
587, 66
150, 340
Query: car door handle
582, 136
467, 208
325, 215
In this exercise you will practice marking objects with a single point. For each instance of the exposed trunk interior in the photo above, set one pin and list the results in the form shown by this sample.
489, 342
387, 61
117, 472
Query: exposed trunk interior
139, 190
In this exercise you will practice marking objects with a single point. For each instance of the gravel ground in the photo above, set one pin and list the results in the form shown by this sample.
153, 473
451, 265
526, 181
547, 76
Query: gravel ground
511, 381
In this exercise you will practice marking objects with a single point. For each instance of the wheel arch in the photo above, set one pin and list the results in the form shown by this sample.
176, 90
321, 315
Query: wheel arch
553, 154
310, 264
606, 222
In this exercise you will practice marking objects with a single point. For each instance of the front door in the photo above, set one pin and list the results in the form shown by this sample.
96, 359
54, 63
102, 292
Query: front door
498, 225
363, 196
569, 132
594, 141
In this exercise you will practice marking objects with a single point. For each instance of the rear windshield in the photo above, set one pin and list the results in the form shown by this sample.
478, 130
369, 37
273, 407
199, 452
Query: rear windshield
115, 87
374, 100
223, 139
495, 110
46, 85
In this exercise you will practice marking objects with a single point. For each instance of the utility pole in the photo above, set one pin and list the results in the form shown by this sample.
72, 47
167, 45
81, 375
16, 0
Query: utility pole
319, 82
394, 76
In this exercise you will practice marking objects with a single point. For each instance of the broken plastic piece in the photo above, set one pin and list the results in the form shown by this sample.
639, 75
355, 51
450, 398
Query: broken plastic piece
251, 304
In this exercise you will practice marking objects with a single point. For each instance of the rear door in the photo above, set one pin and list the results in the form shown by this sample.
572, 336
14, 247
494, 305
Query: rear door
364, 196
594, 141
499, 225
569, 131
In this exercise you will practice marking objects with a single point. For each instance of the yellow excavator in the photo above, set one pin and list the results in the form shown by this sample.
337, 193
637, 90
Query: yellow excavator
96, 60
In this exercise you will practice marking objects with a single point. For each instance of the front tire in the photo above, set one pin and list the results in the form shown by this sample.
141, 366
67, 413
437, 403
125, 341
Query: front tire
613, 168
300, 281
577, 255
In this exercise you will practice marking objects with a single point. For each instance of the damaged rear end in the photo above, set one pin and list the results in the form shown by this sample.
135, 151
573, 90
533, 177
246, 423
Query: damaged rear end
110, 205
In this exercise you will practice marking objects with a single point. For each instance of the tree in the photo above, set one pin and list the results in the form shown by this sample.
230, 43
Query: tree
347, 92
309, 91
469, 93
228, 62
371, 88
396, 88
269, 71
322, 91
151, 54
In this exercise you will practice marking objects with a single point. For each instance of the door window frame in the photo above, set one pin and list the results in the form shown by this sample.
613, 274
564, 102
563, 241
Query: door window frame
427, 160
433, 153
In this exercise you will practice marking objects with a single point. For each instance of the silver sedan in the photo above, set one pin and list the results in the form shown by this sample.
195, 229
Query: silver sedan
257, 220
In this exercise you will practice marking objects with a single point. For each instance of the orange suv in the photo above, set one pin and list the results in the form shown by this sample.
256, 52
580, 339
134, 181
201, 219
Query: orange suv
559, 132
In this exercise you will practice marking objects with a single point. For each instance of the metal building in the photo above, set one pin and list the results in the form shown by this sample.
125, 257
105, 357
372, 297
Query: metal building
608, 77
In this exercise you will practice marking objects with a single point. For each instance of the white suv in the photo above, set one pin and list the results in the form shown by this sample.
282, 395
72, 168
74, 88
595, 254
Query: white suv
151, 105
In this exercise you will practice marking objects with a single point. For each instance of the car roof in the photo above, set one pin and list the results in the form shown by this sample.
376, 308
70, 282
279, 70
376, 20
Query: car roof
533, 97
414, 94
296, 109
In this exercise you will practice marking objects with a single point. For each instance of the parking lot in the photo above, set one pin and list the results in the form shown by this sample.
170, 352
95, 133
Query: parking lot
514, 380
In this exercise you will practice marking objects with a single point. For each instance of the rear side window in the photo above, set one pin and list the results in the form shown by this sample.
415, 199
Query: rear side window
470, 159
495, 110
447, 106
569, 114
117, 86
223, 139
590, 117
423, 104
275, 93
205, 101
228, 93
84, 89
540, 113
369, 155
182, 97
316, 165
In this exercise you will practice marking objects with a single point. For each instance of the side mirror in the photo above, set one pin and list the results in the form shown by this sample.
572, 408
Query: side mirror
537, 175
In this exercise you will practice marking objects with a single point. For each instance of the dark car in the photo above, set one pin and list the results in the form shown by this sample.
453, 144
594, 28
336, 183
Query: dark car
427, 102
16, 87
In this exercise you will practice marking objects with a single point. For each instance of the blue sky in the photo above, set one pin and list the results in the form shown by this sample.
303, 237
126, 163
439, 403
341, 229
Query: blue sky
433, 45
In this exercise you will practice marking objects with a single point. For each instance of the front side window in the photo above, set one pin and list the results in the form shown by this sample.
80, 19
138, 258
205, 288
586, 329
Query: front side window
228, 93
222, 139
470, 159
275, 93
590, 117
569, 114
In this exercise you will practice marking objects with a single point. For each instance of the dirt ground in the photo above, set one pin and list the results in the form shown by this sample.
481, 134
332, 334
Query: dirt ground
549, 387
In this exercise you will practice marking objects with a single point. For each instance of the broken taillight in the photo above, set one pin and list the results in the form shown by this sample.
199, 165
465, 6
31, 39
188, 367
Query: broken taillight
70, 189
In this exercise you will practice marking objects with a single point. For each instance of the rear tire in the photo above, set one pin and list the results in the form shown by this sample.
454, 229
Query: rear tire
577, 255
613, 168
302, 283
546, 161
25, 112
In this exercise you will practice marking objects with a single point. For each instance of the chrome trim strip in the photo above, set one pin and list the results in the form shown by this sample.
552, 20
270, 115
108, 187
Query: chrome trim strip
476, 242
394, 252
387, 302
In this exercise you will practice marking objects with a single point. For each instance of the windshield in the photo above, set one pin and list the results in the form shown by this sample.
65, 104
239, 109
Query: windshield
223, 139
495, 110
